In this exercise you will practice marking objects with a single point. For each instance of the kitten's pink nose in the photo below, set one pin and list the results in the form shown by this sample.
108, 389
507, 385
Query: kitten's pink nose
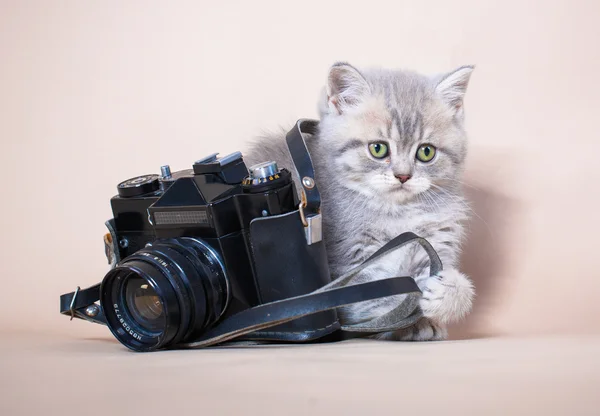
403, 178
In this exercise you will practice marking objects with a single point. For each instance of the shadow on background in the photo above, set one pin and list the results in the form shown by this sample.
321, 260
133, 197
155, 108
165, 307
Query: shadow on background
485, 257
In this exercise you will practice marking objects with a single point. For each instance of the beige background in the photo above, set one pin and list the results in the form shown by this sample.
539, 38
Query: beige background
95, 92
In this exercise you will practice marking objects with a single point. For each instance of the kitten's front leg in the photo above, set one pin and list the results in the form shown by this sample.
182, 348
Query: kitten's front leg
447, 297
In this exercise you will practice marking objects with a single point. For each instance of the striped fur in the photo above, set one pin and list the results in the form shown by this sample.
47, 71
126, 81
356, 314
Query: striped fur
364, 205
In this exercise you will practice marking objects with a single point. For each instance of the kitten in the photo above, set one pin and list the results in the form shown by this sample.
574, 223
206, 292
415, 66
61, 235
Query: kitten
388, 157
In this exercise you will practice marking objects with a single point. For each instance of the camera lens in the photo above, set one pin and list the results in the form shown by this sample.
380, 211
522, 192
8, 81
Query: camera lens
164, 294
143, 303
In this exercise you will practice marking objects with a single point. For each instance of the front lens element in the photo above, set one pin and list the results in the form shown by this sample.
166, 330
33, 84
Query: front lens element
144, 304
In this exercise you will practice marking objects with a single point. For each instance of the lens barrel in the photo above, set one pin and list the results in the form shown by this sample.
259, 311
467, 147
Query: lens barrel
165, 294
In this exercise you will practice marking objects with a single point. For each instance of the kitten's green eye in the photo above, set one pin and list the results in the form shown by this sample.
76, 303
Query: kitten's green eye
425, 153
378, 150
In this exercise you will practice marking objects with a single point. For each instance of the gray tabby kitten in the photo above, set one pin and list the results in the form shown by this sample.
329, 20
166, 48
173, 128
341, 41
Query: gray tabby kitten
388, 159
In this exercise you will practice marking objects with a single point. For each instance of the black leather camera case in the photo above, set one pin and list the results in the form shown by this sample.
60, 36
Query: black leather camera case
283, 275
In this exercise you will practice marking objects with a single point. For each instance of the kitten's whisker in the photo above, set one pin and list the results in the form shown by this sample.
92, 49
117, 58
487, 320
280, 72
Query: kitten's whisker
453, 198
428, 198
464, 204
435, 200
438, 197
460, 182
424, 203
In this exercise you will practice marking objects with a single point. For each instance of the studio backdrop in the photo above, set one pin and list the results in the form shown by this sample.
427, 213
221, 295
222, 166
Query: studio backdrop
93, 93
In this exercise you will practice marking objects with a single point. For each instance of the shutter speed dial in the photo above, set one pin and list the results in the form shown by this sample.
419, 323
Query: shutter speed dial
262, 171
265, 176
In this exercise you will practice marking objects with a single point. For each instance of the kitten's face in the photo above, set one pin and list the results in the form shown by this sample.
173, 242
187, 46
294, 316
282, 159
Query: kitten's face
397, 137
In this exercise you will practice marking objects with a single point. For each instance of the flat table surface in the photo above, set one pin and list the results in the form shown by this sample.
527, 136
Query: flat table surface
54, 374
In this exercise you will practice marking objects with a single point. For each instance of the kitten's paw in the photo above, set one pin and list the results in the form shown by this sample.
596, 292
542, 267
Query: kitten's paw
447, 297
424, 330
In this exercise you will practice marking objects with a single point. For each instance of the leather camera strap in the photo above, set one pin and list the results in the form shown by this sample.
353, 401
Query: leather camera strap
303, 162
336, 294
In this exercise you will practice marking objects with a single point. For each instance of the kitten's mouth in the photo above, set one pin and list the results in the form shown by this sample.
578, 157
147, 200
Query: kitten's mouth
402, 193
400, 187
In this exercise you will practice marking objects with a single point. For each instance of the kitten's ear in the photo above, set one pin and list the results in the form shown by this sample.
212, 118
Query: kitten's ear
346, 87
453, 86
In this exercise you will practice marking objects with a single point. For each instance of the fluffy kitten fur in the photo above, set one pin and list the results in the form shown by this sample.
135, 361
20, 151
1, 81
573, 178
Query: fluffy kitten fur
364, 205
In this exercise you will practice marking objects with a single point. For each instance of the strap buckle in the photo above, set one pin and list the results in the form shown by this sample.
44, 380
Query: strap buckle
71, 307
301, 207
313, 224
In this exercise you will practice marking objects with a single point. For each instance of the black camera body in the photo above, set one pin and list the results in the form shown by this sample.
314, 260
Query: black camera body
216, 239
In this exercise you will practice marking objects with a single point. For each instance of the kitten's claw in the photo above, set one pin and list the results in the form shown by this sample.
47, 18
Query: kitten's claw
447, 297
424, 330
